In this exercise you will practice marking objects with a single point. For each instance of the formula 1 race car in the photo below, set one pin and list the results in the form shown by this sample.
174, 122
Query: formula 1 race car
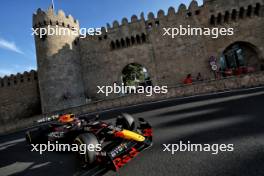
119, 143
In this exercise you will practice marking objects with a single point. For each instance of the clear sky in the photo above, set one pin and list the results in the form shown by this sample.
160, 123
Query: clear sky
17, 49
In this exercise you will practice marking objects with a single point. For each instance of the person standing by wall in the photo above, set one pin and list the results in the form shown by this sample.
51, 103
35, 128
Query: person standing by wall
188, 79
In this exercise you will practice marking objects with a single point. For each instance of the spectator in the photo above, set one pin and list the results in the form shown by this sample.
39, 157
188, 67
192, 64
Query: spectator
199, 77
188, 79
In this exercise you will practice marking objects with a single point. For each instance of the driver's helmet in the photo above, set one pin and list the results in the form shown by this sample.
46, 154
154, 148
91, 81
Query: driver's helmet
66, 118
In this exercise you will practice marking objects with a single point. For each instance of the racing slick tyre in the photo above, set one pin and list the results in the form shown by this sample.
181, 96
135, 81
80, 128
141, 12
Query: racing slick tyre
89, 157
126, 121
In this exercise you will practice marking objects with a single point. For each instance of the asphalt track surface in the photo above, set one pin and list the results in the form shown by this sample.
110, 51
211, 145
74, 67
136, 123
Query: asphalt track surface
226, 118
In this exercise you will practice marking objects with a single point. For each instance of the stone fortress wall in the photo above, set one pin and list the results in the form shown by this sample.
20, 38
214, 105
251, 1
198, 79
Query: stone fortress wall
169, 60
58, 61
19, 97
70, 68
180, 91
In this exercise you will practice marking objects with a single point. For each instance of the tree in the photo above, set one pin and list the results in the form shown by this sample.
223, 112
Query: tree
133, 74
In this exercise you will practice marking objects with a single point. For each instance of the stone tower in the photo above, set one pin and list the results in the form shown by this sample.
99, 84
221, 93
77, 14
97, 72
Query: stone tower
58, 61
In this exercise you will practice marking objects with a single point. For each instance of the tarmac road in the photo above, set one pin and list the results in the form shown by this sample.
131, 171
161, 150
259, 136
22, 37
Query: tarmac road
227, 118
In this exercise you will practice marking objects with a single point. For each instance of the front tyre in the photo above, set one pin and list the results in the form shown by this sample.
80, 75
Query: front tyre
84, 155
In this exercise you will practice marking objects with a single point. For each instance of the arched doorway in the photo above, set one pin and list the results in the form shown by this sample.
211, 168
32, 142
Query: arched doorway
239, 58
135, 74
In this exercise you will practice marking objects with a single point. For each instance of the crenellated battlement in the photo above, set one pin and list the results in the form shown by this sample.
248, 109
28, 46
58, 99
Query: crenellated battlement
18, 79
235, 14
143, 25
182, 11
136, 31
50, 17
129, 41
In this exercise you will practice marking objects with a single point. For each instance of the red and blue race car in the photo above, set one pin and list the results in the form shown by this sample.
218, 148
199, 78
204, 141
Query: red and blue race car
120, 142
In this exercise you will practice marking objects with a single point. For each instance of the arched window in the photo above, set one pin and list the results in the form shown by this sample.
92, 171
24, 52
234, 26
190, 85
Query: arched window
241, 12
127, 42
227, 16
234, 14
150, 26
241, 55
219, 18
8, 81
189, 14
123, 45
117, 44
132, 40
21, 79
15, 81
143, 37
75, 42
197, 12
249, 11
43, 37
212, 20
135, 74
138, 39
112, 45
257, 9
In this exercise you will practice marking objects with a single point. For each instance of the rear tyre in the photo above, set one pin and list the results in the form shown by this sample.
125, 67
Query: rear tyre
86, 157
126, 121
